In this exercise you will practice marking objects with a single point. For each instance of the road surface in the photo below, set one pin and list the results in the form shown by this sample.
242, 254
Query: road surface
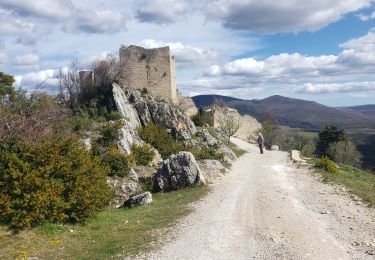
267, 208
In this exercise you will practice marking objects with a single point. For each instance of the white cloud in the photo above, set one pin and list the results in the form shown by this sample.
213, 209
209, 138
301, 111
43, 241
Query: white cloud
364, 17
25, 32
269, 16
356, 61
29, 81
25, 60
93, 21
3, 58
160, 11
326, 88
184, 53
49, 9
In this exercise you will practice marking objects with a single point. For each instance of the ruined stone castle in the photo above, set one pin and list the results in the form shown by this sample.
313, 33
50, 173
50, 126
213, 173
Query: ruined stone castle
151, 69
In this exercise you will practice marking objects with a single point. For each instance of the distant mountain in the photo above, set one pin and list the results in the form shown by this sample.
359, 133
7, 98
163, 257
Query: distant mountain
296, 113
365, 110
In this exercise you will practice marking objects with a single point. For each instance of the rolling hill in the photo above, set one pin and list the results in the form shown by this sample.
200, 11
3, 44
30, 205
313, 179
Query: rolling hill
366, 110
297, 113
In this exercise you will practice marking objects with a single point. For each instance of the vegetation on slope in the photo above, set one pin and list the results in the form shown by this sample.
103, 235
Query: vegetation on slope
111, 233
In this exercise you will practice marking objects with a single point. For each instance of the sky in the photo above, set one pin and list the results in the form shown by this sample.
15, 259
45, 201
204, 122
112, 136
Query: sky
315, 50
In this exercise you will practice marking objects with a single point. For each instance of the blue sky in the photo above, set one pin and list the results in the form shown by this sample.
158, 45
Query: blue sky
315, 50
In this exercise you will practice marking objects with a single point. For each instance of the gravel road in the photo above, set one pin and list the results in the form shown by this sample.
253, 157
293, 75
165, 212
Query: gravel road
268, 208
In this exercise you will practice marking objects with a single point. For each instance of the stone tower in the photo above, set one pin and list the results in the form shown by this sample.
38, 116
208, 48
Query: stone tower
153, 69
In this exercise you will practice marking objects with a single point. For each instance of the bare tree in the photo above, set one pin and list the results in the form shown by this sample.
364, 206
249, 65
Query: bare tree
229, 125
69, 86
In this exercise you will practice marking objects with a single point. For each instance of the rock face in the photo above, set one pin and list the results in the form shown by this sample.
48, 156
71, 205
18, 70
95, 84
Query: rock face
178, 171
208, 140
143, 109
248, 124
212, 169
123, 188
186, 105
139, 200
229, 155
128, 133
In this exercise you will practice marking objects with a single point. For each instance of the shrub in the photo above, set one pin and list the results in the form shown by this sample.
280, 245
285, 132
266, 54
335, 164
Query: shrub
202, 119
344, 152
55, 181
202, 153
79, 123
118, 162
115, 115
109, 133
161, 140
143, 154
326, 164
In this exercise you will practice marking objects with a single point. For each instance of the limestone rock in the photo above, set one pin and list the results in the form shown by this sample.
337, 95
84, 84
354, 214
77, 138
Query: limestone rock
186, 105
212, 169
178, 171
208, 140
143, 109
123, 188
138, 200
229, 155
275, 147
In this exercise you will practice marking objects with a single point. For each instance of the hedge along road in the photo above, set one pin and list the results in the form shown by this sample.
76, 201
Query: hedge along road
267, 208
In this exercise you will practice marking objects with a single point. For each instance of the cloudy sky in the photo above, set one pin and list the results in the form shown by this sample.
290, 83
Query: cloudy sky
316, 50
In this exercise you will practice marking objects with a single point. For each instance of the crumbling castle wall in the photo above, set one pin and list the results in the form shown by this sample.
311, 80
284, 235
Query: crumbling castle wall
151, 69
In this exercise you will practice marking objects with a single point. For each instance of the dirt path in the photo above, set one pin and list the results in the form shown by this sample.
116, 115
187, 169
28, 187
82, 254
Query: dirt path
266, 208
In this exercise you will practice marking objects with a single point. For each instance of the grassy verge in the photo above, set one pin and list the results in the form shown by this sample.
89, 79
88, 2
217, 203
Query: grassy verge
112, 233
238, 151
359, 182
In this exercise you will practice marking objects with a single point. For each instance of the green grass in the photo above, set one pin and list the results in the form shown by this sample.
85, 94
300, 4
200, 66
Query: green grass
112, 233
359, 182
238, 151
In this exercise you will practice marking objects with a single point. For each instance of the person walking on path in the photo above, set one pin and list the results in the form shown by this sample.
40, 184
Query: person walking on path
260, 142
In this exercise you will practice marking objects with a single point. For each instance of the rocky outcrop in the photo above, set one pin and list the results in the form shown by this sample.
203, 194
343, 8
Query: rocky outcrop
138, 200
178, 171
248, 124
207, 139
186, 105
211, 169
139, 108
128, 133
123, 188
229, 155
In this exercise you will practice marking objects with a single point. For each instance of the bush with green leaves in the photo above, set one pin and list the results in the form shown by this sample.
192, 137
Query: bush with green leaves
326, 164
109, 133
143, 154
161, 140
203, 153
118, 162
202, 118
52, 181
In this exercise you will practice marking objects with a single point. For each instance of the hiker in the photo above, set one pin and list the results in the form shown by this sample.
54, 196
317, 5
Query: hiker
260, 142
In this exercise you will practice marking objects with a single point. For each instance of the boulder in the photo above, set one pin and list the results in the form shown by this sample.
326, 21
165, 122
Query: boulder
178, 171
139, 200
123, 188
208, 140
212, 169
275, 147
229, 155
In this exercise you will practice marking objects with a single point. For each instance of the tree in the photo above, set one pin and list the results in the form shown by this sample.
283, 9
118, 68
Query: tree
6, 89
270, 129
344, 152
229, 125
331, 134
69, 86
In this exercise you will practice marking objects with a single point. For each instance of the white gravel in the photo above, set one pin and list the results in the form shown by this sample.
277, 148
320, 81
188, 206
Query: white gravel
268, 208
